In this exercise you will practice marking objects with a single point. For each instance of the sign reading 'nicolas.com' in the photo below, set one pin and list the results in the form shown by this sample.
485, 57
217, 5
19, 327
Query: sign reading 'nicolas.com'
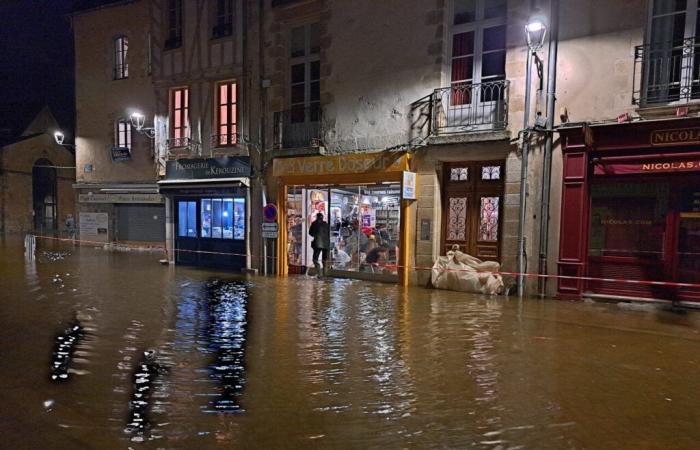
193, 169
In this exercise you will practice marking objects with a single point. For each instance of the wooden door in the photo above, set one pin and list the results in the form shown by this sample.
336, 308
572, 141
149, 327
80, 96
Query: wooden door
472, 208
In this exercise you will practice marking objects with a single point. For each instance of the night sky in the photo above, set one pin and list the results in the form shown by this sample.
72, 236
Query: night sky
36, 61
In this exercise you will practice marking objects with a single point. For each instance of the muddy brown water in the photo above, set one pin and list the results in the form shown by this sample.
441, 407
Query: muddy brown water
331, 364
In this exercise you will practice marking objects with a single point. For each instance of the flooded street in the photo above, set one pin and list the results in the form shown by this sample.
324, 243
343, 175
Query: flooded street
300, 363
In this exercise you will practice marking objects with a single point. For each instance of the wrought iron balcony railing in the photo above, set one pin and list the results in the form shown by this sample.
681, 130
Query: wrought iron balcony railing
223, 140
463, 108
667, 72
298, 128
184, 145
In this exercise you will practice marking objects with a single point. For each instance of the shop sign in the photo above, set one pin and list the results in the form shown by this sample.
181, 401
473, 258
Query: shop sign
676, 137
194, 169
647, 167
93, 225
120, 154
270, 212
331, 165
270, 230
408, 191
120, 198
201, 191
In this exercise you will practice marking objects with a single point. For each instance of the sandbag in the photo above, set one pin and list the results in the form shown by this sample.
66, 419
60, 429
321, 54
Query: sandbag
462, 272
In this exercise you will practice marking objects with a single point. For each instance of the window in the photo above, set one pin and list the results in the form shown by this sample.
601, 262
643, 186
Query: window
223, 24
187, 219
121, 63
179, 113
478, 50
223, 218
174, 21
226, 113
305, 74
122, 134
672, 60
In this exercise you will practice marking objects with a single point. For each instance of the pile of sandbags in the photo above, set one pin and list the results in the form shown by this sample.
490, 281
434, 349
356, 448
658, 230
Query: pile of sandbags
461, 272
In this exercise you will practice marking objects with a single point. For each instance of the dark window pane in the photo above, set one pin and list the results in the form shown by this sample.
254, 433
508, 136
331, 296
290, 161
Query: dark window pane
495, 38
493, 64
315, 70
463, 44
668, 6
298, 42
315, 46
298, 93
465, 11
315, 93
495, 8
297, 114
298, 74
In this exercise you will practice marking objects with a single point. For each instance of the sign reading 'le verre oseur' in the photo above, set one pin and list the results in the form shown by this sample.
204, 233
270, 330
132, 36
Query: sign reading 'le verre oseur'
675, 137
192, 169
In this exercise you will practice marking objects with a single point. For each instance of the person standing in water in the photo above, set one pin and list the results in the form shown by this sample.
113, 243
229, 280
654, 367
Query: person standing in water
320, 231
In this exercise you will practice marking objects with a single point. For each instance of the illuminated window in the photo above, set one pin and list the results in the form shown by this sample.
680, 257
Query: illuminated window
122, 134
488, 219
226, 114
459, 174
491, 173
121, 63
223, 218
179, 113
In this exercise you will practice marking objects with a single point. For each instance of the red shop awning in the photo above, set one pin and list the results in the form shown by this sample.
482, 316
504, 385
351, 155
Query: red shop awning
647, 164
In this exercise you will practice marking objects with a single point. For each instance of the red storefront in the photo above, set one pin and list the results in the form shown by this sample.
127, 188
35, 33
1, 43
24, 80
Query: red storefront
631, 209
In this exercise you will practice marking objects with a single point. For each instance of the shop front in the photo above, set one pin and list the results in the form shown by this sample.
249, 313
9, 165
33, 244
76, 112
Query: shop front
364, 200
208, 202
631, 210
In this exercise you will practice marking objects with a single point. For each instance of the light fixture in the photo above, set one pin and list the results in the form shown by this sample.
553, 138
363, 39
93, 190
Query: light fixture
536, 30
138, 120
58, 137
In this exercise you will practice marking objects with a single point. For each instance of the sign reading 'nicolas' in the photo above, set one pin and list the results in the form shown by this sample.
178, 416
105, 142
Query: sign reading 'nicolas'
675, 137
192, 169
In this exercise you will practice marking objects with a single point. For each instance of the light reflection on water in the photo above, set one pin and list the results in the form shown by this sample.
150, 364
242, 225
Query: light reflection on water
332, 363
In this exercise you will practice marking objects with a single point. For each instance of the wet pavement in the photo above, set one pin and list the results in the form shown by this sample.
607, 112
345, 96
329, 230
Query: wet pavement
300, 363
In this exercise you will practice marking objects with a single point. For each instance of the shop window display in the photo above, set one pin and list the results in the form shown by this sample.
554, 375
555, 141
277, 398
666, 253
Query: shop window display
187, 219
222, 218
361, 219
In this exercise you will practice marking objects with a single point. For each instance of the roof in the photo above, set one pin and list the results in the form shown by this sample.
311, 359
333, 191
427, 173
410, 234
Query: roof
16, 117
81, 6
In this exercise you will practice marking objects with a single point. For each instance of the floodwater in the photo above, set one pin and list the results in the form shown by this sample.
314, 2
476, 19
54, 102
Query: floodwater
299, 363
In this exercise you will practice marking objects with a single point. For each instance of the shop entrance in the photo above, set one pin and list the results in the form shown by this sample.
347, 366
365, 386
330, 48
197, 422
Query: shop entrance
211, 231
472, 207
365, 228
646, 229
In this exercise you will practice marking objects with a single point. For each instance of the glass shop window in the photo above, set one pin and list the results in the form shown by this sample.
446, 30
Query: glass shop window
187, 219
628, 220
223, 218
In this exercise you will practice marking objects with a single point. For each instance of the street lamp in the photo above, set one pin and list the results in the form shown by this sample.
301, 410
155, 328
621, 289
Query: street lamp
535, 31
59, 137
138, 121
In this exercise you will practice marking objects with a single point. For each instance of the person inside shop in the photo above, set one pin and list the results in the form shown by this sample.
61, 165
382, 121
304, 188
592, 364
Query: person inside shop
376, 258
320, 231
340, 257
357, 242
381, 234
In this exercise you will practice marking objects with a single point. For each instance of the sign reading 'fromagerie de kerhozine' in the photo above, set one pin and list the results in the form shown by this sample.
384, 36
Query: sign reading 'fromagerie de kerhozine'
192, 169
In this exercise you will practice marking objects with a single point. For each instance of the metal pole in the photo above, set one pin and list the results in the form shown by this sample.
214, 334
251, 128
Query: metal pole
522, 264
547, 170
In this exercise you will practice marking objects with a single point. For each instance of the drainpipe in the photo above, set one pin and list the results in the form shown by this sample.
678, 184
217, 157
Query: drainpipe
547, 170
522, 255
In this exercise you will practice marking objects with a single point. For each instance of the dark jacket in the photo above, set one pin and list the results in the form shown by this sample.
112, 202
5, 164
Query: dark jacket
321, 233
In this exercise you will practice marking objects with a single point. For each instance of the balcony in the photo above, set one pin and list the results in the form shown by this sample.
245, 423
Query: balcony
180, 147
666, 73
469, 108
297, 128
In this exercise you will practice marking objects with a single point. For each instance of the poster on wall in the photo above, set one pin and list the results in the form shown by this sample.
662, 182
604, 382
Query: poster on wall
94, 226
409, 186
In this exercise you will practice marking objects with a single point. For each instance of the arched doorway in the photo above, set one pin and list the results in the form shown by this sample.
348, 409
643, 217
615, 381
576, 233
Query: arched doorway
44, 196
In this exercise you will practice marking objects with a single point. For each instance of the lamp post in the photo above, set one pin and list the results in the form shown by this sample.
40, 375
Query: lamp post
535, 31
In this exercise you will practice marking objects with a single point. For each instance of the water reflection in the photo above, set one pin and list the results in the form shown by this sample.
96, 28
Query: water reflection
226, 336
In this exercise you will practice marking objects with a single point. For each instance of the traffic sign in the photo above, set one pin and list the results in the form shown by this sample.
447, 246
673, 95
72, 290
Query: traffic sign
270, 230
270, 212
